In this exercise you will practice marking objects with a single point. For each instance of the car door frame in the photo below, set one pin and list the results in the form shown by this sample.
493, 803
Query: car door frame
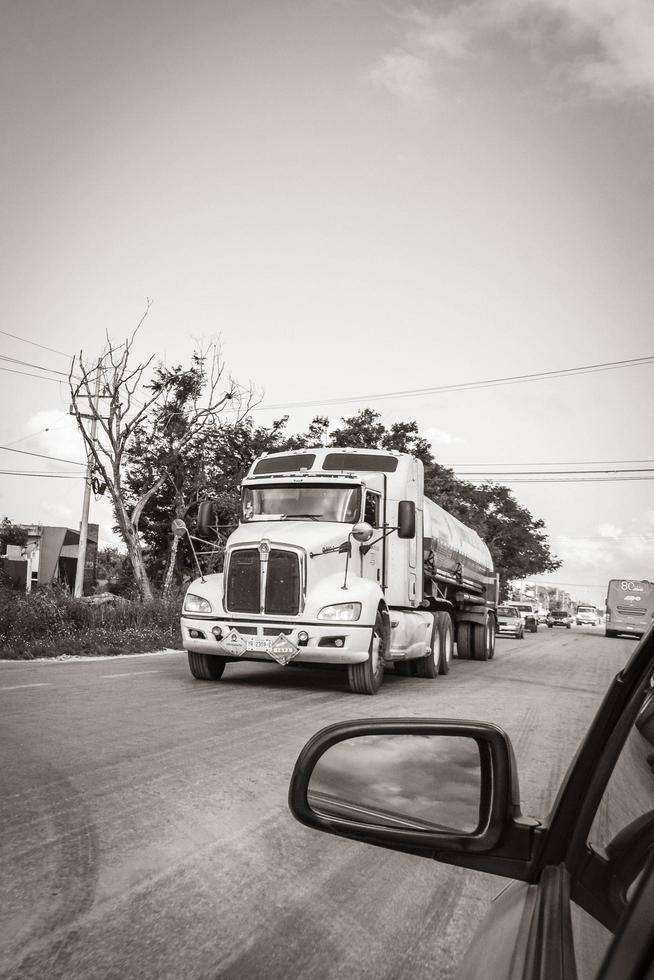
563, 865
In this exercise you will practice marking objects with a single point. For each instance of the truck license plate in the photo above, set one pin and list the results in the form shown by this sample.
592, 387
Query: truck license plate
280, 648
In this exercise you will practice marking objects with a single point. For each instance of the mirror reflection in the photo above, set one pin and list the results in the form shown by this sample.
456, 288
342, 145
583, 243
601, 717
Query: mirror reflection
412, 782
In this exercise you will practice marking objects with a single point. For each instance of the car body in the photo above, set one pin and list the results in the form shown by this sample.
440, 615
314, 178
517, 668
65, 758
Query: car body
528, 611
586, 616
580, 900
510, 622
559, 617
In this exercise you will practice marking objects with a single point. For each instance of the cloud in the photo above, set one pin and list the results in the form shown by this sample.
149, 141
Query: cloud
405, 75
437, 437
610, 531
616, 551
601, 47
56, 435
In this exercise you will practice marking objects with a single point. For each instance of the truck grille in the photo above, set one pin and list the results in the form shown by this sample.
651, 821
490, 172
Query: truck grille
243, 581
283, 584
282, 596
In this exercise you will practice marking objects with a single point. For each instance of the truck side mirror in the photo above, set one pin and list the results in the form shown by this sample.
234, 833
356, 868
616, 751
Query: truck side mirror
206, 518
406, 519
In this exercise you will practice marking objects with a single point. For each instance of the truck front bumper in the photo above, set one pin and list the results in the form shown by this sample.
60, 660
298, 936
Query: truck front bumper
198, 636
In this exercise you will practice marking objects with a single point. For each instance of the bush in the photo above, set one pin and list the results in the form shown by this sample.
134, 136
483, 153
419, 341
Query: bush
50, 622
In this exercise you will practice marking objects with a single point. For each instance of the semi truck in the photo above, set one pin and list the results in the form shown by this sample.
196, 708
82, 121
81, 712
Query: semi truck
340, 559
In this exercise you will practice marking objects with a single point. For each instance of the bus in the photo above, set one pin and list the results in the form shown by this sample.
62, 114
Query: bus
629, 606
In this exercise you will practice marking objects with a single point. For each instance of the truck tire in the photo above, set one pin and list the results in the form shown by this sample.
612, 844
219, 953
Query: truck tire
464, 641
366, 678
534, 628
482, 639
428, 666
610, 633
447, 642
206, 667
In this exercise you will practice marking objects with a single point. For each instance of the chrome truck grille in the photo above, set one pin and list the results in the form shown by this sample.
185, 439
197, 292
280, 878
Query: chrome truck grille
280, 581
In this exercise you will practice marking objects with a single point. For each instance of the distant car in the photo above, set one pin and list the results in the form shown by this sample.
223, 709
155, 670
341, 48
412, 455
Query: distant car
509, 621
528, 614
559, 617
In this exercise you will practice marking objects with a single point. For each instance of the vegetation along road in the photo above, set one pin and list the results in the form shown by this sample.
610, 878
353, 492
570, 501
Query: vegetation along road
145, 829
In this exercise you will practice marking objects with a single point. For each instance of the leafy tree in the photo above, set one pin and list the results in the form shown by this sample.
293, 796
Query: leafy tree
115, 569
11, 533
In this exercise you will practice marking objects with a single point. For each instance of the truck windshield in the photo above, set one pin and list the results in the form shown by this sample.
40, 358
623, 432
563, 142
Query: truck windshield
322, 503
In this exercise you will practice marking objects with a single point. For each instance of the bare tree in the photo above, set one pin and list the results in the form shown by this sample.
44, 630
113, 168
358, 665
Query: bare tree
118, 415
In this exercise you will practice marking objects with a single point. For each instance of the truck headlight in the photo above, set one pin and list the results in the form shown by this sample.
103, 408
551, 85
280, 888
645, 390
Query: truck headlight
195, 603
341, 612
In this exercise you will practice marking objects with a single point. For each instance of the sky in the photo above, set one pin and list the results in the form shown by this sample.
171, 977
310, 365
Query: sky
356, 197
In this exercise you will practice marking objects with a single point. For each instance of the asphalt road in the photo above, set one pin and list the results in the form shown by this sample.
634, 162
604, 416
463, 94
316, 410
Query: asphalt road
145, 830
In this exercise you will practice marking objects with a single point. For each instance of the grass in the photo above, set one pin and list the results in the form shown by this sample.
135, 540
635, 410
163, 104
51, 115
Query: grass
51, 623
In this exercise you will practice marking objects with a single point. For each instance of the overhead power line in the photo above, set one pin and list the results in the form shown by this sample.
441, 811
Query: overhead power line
27, 374
503, 473
54, 476
39, 367
57, 459
570, 462
467, 385
565, 479
32, 435
33, 343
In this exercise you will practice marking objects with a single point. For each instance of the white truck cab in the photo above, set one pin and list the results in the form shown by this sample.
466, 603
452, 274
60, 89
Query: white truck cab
329, 566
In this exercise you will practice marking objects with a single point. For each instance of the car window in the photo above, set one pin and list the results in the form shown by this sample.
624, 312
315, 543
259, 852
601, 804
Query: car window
629, 796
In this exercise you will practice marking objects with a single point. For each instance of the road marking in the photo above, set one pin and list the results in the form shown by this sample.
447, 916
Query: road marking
20, 687
131, 673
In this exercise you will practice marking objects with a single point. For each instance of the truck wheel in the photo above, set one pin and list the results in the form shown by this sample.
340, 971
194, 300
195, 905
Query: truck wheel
482, 639
366, 678
447, 643
428, 666
534, 628
206, 667
610, 633
464, 641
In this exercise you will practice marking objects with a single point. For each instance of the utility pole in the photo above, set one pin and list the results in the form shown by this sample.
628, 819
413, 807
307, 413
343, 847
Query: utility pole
84, 526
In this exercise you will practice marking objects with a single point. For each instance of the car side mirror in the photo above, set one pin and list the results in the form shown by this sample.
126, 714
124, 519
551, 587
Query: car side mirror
406, 519
439, 788
206, 518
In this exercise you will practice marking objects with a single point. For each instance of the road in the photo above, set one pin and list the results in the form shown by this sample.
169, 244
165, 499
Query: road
145, 829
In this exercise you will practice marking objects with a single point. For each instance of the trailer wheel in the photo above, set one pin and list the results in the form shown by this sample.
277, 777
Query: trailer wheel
447, 643
464, 641
205, 666
366, 678
482, 639
428, 666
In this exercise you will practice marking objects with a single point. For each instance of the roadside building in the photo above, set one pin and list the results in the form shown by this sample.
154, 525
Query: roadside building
50, 556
